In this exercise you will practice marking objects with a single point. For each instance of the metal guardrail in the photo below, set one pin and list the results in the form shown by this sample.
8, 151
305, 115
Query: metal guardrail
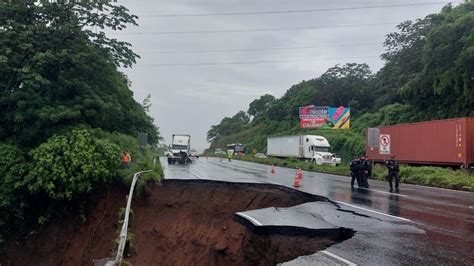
123, 231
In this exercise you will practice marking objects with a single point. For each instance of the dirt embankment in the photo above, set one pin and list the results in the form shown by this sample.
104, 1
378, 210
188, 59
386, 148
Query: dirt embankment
178, 223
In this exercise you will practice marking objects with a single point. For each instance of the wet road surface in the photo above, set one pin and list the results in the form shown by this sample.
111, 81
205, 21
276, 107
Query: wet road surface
419, 225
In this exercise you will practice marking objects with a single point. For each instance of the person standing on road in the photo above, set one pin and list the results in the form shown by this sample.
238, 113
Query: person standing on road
126, 160
364, 172
229, 155
393, 172
355, 169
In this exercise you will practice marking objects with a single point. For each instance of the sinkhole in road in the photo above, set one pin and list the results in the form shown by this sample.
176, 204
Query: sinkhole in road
178, 223
192, 223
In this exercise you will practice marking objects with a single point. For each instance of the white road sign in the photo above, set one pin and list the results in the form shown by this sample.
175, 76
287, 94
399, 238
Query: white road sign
384, 144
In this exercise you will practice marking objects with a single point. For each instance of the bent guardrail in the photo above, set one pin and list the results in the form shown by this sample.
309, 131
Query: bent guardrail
123, 231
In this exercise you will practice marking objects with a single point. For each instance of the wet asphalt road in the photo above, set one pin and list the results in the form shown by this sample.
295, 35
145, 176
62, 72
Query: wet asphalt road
418, 226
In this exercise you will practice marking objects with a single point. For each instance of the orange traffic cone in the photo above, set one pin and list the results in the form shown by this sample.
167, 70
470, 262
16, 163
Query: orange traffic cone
300, 174
296, 183
273, 169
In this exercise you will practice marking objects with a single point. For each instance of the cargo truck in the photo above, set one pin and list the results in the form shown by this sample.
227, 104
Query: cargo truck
311, 147
179, 151
448, 142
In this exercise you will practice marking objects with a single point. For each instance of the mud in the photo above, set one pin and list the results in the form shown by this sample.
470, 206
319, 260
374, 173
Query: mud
178, 223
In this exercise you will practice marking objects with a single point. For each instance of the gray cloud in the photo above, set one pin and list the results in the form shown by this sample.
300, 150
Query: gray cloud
189, 99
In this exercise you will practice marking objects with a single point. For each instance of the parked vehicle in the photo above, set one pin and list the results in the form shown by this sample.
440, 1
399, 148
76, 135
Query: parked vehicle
219, 151
441, 142
237, 149
180, 149
194, 153
315, 148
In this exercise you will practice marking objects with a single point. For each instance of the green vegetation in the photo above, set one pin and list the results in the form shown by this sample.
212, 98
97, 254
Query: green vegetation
429, 65
67, 111
418, 175
130, 240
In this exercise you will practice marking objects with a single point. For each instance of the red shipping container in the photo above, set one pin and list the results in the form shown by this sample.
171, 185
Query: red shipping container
439, 142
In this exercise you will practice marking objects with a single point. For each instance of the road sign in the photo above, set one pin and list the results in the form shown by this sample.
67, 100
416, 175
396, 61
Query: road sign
142, 140
384, 144
373, 137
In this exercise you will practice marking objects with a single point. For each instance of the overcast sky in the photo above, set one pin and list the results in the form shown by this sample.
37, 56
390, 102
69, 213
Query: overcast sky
190, 98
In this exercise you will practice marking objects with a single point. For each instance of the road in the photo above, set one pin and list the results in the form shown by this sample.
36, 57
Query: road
419, 225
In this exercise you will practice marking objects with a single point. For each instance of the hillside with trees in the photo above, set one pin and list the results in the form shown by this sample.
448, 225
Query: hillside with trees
428, 74
67, 111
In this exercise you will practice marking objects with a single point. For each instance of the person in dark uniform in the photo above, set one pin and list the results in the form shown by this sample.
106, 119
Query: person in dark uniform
370, 163
355, 167
364, 172
393, 173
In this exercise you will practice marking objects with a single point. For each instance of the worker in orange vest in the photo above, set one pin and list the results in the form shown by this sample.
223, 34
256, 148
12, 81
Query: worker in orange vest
126, 160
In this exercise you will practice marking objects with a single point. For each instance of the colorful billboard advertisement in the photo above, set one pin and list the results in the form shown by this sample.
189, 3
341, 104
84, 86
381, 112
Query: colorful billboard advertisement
324, 117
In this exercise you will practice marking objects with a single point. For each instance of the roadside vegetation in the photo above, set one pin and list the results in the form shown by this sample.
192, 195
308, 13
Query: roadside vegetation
67, 111
427, 75
418, 175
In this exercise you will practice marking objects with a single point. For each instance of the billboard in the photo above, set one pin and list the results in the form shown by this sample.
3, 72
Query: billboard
324, 117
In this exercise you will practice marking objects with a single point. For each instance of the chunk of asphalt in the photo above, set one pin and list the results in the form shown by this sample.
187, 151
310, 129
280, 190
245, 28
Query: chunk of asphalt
288, 221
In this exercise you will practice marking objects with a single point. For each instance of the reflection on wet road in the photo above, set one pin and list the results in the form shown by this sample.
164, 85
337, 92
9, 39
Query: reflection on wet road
446, 217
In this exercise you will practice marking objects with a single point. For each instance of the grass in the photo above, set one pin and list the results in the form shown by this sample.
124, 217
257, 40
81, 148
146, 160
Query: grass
431, 176
419, 175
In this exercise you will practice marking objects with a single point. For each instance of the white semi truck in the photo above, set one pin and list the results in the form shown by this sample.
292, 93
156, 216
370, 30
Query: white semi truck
179, 151
315, 148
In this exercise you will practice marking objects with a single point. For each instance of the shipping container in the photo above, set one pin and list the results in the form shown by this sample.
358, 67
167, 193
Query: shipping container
440, 142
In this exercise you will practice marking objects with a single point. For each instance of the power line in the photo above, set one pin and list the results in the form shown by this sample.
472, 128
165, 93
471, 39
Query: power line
254, 30
254, 62
257, 49
294, 11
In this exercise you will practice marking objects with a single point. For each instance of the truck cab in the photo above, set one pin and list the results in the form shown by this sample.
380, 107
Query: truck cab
319, 150
179, 149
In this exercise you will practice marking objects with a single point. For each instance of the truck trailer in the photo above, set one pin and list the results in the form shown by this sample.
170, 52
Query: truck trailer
312, 147
448, 142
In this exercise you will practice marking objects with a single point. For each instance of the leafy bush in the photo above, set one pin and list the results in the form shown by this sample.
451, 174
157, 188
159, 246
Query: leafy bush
12, 201
67, 166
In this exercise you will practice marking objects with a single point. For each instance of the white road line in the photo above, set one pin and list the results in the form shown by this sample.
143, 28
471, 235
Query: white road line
255, 222
440, 188
196, 175
369, 210
380, 191
348, 262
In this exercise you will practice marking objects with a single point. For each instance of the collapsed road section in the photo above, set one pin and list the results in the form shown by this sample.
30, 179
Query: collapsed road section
180, 223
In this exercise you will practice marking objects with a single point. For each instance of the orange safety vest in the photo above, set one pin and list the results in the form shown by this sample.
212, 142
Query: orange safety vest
125, 158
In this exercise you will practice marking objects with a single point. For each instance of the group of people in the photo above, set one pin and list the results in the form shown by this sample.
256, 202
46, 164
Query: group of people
361, 171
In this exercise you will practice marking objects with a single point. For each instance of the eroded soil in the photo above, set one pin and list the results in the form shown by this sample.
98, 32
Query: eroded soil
177, 223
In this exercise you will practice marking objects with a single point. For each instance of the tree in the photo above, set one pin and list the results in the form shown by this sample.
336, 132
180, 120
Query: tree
57, 72
228, 125
259, 106
429, 65
347, 85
